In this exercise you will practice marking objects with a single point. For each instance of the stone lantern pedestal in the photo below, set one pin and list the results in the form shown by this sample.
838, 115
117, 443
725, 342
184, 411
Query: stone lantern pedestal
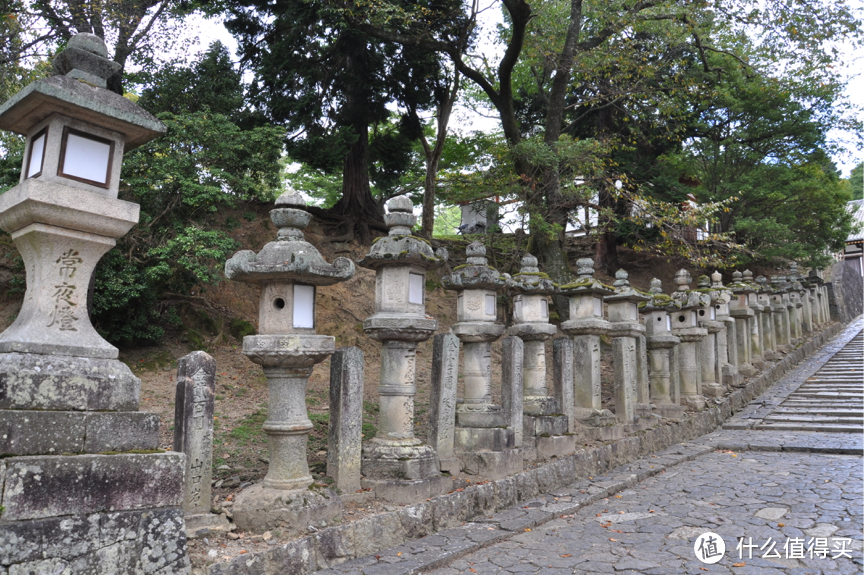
779, 303
756, 346
288, 271
397, 465
801, 286
624, 319
660, 342
766, 320
544, 423
84, 486
585, 326
685, 327
484, 436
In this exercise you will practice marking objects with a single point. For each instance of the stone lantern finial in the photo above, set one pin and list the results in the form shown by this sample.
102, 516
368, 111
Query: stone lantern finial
400, 218
585, 268
682, 280
748, 276
736, 276
529, 265
656, 286
703, 282
86, 58
476, 253
716, 279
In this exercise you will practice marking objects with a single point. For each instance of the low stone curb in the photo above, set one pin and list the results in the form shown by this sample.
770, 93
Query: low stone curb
350, 548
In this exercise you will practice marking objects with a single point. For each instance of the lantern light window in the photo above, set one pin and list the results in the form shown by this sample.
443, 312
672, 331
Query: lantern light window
304, 306
490, 304
85, 157
598, 307
37, 154
544, 309
415, 288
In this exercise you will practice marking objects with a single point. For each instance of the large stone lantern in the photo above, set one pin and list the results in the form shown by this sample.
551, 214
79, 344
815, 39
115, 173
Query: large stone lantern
727, 346
660, 343
709, 362
685, 325
395, 463
484, 439
624, 319
86, 487
801, 284
585, 326
531, 290
288, 272
780, 302
795, 296
766, 321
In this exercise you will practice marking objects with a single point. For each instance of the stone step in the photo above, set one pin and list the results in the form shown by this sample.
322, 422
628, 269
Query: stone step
839, 412
781, 418
811, 427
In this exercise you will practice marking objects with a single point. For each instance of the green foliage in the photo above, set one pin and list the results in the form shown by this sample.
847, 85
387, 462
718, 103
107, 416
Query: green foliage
856, 181
240, 328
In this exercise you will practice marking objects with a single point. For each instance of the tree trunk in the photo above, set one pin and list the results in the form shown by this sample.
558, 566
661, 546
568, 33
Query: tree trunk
606, 252
357, 202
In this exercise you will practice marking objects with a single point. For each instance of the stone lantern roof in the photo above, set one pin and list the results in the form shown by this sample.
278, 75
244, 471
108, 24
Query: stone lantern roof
688, 298
400, 247
78, 90
530, 280
476, 273
585, 282
764, 287
724, 294
739, 285
658, 300
290, 258
624, 291
780, 284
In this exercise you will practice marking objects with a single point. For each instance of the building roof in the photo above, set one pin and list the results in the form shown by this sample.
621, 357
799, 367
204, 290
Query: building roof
857, 209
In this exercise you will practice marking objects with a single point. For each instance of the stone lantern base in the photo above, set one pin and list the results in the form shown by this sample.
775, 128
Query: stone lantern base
258, 508
402, 473
487, 452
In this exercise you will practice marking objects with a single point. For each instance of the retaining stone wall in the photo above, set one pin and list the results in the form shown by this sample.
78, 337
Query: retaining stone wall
846, 291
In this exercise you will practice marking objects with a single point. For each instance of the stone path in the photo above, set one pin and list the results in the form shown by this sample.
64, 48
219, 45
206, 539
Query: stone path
783, 501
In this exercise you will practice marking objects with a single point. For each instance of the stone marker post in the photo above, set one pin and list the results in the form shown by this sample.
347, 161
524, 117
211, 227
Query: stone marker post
86, 488
743, 315
685, 327
400, 467
660, 342
288, 271
727, 347
796, 296
442, 400
804, 295
345, 431
585, 326
513, 354
484, 439
815, 280
193, 436
624, 318
756, 358
545, 426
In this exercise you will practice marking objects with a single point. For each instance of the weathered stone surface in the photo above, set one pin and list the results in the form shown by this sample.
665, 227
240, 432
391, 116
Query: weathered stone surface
511, 384
258, 509
193, 427
121, 431
47, 486
30, 381
344, 446
442, 399
562, 378
129, 542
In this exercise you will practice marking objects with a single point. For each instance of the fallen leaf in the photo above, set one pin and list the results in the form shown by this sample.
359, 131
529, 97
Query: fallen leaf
703, 568
472, 570
598, 515
742, 564
243, 551
610, 539
399, 554
566, 555
618, 496
650, 511
527, 529
781, 525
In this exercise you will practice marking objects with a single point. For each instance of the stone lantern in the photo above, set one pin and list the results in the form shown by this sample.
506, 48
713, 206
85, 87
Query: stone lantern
709, 361
814, 278
531, 290
756, 358
484, 438
727, 347
743, 315
780, 303
660, 343
685, 325
802, 286
585, 326
395, 463
288, 272
766, 319
80, 460
795, 296
624, 319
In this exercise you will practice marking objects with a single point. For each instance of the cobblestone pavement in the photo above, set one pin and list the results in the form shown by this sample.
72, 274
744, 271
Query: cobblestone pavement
759, 497
791, 499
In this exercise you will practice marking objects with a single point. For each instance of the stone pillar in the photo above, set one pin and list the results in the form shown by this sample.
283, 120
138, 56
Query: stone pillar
743, 315
543, 421
562, 378
442, 400
642, 385
766, 319
193, 436
288, 271
624, 318
685, 327
781, 315
396, 464
709, 362
345, 432
86, 487
726, 342
512, 352
660, 343
756, 358
585, 326
484, 442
